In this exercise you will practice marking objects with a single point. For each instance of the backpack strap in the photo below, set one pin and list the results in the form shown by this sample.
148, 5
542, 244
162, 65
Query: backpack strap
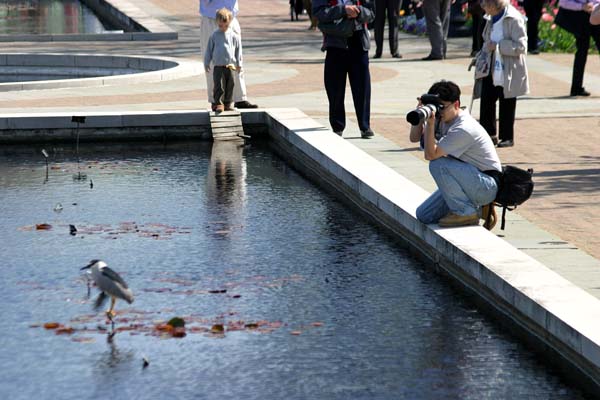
503, 216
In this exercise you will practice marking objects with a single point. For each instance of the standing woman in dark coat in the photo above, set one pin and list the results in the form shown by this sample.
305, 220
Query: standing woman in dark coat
391, 8
347, 58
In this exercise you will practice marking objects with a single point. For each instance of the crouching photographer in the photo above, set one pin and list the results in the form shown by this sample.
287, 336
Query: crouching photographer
462, 160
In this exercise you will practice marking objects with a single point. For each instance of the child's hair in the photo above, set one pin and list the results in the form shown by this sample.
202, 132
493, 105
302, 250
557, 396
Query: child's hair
224, 15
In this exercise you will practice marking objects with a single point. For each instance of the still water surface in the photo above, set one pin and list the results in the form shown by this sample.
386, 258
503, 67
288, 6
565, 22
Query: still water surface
48, 17
344, 312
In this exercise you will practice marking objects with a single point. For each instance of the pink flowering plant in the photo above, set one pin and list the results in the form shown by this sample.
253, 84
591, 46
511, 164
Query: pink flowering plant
553, 37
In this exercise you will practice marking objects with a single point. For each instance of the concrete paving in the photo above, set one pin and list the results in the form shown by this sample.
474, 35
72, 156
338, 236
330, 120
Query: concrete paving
556, 135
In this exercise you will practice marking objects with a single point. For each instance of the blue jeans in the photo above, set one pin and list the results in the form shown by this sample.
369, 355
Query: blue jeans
462, 189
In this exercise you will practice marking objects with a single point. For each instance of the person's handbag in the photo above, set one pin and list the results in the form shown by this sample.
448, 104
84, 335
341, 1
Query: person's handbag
342, 27
482, 63
575, 22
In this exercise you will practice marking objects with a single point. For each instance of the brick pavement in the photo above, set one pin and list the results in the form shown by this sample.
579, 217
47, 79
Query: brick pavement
557, 136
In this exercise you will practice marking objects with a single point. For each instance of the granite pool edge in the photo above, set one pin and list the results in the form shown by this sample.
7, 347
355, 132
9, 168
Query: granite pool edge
556, 314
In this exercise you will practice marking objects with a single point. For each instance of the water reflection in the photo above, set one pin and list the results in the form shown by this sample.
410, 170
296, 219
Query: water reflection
226, 186
49, 17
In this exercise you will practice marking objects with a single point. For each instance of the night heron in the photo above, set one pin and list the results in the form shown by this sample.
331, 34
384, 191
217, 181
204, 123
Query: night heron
110, 284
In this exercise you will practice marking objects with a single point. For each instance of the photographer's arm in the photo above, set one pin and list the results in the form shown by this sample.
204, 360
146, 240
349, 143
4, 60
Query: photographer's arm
416, 131
432, 150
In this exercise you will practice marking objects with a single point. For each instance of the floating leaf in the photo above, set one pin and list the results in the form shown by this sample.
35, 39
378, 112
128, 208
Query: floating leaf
251, 325
64, 330
164, 327
295, 333
176, 322
83, 339
178, 332
51, 325
217, 328
218, 291
317, 324
43, 227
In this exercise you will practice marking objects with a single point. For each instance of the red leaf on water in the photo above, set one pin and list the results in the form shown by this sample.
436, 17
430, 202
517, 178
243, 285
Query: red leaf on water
43, 227
51, 325
178, 332
317, 324
64, 330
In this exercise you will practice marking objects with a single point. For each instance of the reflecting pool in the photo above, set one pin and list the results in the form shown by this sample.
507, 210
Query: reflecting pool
49, 17
286, 293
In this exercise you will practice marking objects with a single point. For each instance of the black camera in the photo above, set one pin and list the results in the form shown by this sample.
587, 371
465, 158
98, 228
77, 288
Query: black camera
431, 103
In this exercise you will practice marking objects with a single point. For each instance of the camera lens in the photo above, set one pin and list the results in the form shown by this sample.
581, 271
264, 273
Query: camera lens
419, 114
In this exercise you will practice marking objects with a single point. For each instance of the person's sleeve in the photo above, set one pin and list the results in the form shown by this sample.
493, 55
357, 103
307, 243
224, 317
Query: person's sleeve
326, 13
367, 12
456, 142
516, 44
571, 4
208, 52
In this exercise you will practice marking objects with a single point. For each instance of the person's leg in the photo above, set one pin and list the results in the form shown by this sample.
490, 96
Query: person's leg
379, 26
360, 84
445, 19
335, 73
487, 105
432, 209
239, 89
582, 42
218, 84
207, 27
506, 121
431, 10
228, 81
462, 185
393, 7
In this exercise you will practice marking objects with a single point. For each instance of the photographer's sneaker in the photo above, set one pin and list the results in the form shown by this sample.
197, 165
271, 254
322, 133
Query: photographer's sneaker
452, 220
368, 134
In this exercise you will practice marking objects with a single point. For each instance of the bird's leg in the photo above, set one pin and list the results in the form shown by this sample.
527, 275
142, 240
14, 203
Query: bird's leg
110, 313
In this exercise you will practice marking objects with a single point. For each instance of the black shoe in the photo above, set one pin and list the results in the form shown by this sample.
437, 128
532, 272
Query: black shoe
367, 134
377, 55
580, 92
430, 58
245, 104
339, 133
534, 51
397, 55
506, 143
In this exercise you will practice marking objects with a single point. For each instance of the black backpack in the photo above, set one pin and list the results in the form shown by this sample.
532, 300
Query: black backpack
515, 187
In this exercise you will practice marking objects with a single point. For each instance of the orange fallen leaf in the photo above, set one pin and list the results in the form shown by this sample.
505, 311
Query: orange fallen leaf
295, 333
51, 325
164, 327
43, 227
64, 330
317, 324
217, 328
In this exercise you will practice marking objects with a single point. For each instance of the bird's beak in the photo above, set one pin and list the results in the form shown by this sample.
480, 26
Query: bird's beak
87, 266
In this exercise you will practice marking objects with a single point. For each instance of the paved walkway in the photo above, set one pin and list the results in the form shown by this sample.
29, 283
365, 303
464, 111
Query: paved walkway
556, 135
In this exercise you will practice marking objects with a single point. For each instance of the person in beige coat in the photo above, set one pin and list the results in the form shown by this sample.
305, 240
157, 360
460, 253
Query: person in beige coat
505, 37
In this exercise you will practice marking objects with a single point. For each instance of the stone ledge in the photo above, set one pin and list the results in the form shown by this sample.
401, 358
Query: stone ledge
557, 315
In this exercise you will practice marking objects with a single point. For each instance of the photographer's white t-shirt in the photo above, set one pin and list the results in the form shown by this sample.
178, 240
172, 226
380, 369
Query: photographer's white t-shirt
464, 138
